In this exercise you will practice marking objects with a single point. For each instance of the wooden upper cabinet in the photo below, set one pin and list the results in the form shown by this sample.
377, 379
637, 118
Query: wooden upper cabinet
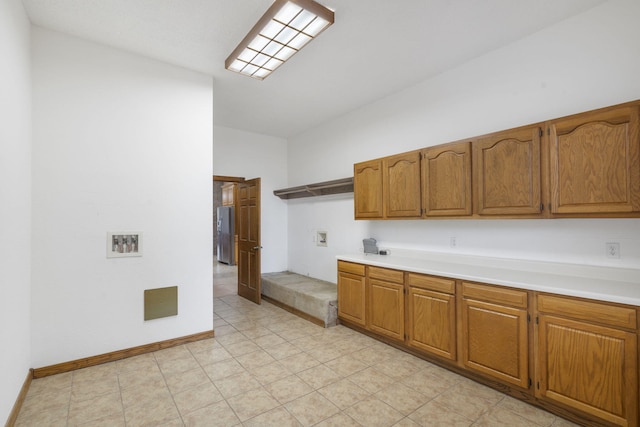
446, 180
595, 162
367, 189
228, 194
507, 172
401, 174
586, 165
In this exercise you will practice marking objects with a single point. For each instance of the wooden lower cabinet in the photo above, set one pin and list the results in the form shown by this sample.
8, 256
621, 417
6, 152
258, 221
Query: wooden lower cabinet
495, 339
352, 292
431, 321
385, 302
578, 358
586, 361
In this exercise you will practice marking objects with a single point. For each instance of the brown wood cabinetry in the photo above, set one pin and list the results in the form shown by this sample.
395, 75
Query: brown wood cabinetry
352, 292
401, 186
585, 165
585, 352
385, 302
446, 180
431, 321
595, 162
507, 172
495, 332
367, 190
587, 357
228, 194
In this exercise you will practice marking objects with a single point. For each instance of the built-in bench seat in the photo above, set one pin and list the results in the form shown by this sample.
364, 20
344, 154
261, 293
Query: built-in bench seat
312, 299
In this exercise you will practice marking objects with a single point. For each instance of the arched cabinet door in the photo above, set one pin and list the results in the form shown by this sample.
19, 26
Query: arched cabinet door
367, 190
401, 188
446, 180
594, 162
507, 172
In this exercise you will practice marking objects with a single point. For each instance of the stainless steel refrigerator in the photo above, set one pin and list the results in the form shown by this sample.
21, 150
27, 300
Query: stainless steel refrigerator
226, 246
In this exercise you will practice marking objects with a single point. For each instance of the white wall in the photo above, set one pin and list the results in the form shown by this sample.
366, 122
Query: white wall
15, 201
250, 155
120, 143
586, 62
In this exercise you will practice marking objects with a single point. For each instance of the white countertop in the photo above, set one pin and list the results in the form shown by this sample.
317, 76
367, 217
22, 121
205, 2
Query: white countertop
621, 285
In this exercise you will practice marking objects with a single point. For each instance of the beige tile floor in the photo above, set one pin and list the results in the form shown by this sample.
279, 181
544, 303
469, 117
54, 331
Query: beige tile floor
267, 367
225, 279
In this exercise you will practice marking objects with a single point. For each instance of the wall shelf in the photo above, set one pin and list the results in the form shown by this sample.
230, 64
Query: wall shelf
337, 186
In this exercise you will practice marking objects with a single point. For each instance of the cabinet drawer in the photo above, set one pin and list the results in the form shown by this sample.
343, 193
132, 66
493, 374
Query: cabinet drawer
387, 274
595, 312
432, 283
495, 294
350, 267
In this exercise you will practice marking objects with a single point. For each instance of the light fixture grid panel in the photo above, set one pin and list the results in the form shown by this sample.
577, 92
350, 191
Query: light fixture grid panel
286, 33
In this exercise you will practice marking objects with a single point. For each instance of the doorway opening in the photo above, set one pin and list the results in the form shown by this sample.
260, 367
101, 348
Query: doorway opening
225, 279
225, 269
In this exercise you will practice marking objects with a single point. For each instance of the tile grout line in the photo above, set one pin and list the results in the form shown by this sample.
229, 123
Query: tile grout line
164, 379
124, 416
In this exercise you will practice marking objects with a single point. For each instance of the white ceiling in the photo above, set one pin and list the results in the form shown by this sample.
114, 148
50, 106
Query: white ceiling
375, 47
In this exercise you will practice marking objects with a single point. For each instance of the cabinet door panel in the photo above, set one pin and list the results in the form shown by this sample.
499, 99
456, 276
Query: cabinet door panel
446, 180
588, 367
402, 186
367, 189
507, 173
594, 162
351, 297
495, 341
386, 309
432, 322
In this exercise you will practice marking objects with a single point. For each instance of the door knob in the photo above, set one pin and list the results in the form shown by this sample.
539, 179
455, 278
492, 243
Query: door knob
255, 248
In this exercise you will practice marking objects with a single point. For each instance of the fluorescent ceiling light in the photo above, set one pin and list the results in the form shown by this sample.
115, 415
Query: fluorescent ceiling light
282, 31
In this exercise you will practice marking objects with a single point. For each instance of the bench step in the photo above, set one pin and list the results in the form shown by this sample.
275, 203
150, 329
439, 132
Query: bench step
313, 297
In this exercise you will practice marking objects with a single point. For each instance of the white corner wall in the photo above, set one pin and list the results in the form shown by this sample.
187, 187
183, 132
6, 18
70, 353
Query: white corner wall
585, 62
120, 143
250, 155
15, 202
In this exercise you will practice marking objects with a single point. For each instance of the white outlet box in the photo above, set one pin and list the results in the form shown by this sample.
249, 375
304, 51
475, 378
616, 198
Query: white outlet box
321, 239
613, 249
453, 242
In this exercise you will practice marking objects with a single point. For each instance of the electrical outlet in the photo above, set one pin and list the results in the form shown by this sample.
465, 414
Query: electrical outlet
453, 242
613, 250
